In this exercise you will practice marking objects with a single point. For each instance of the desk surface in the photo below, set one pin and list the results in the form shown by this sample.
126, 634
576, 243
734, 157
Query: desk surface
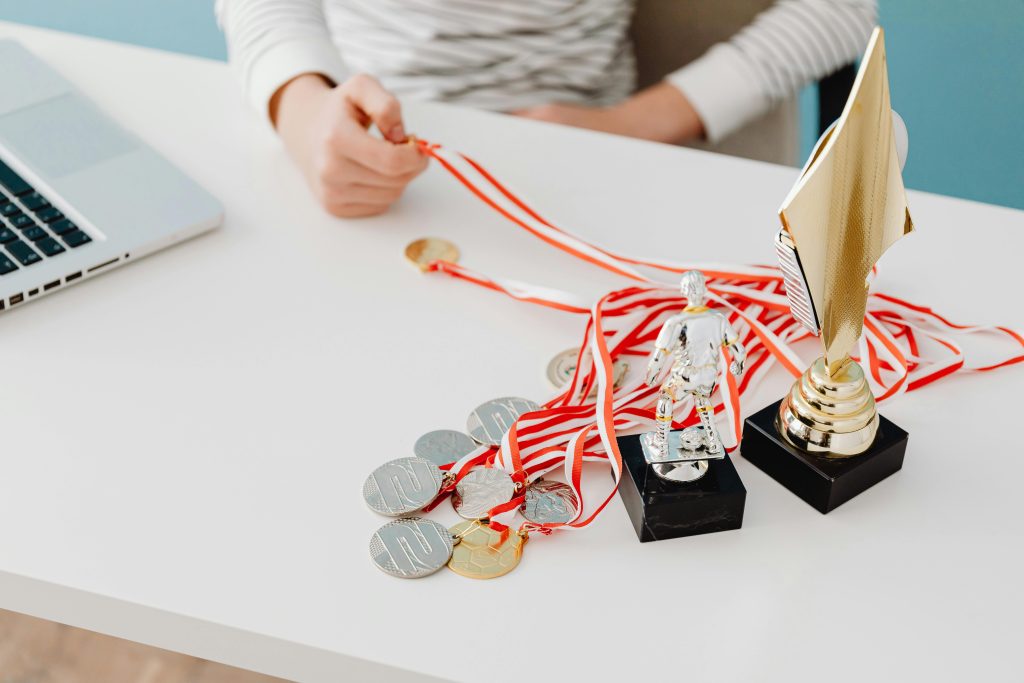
184, 440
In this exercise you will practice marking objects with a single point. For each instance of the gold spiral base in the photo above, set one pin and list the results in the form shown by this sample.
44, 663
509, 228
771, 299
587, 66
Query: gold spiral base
834, 416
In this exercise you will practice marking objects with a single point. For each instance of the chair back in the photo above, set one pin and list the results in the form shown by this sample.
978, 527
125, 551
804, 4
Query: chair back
668, 34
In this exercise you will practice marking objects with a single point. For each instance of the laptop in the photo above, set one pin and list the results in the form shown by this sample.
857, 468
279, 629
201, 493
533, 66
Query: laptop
79, 194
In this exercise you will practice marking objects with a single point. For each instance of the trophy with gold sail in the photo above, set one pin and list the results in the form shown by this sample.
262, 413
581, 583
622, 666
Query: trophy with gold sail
825, 440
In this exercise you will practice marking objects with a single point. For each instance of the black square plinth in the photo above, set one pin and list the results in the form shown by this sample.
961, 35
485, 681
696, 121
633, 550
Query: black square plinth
823, 483
661, 509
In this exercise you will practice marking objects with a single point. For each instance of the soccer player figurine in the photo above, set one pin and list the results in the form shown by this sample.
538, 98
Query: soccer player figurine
693, 339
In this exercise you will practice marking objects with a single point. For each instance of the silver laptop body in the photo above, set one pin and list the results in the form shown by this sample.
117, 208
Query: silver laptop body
81, 194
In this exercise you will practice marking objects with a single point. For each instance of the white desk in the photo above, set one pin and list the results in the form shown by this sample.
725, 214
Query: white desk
184, 440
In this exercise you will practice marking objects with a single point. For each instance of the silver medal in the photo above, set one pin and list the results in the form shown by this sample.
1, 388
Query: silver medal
443, 446
549, 502
411, 548
402, 486
480, 490
489, 422
563, 366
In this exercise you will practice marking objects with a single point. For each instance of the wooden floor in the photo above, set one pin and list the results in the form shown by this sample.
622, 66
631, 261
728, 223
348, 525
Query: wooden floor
37, 651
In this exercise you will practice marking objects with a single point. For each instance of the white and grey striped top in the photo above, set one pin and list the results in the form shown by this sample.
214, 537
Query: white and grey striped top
510, 54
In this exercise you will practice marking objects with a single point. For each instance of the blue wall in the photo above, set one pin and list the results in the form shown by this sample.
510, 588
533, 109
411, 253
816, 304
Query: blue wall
176, 25
956, 69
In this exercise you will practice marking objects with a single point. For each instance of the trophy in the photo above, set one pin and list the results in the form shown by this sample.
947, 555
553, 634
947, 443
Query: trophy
681, 482
825, 440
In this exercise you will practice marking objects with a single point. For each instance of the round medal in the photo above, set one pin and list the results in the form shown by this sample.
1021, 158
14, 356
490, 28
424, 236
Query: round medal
443, 446
563, 366
422, 253
489, 422
411, 548
549, 502
481, 490
402, 486
482, 552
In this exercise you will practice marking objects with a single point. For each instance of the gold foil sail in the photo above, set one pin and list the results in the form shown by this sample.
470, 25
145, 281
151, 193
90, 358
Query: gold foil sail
849, 206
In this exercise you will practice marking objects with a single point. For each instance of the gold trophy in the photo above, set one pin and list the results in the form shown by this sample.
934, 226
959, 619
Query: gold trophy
825, 440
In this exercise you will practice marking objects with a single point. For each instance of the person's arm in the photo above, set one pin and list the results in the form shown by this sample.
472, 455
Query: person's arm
291, 71
786, 47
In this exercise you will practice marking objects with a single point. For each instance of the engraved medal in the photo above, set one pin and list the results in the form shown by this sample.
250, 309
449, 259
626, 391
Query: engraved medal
443, 446
489, 422
402, 486
423, 252
562, 367
481, 490
484, 553
549, 502
411, 548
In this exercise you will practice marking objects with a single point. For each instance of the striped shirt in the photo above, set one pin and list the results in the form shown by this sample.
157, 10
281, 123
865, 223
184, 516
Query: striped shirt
510, 54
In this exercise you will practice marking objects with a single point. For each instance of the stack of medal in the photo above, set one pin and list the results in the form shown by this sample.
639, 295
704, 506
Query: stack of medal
518, 437
413, 547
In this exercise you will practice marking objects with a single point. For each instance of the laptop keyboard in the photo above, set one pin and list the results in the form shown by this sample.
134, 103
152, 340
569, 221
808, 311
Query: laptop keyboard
31, 229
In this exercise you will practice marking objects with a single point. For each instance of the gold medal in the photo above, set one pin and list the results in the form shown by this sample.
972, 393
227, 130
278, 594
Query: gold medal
423, 252
482, 552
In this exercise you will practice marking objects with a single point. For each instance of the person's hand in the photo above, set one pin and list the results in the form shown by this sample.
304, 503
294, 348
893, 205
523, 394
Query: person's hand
660, 113
326, 131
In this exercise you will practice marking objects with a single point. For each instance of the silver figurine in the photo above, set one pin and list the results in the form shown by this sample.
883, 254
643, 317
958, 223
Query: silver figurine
693, 339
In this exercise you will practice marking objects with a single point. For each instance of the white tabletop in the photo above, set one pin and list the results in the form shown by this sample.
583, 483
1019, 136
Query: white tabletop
184, 440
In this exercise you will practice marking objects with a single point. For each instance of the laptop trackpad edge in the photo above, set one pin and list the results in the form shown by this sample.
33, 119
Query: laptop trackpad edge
63, 135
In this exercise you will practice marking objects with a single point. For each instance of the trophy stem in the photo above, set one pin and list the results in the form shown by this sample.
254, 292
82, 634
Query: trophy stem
830, 414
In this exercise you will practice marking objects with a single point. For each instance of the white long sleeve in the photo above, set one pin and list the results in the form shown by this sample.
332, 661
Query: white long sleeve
272, 41
786, 47
511, 54
492, 54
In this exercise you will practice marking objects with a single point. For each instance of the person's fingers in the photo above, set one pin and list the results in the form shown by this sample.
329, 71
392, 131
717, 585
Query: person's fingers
350, 210
342, 172
367, 176
364, 194
352, 141
381, 106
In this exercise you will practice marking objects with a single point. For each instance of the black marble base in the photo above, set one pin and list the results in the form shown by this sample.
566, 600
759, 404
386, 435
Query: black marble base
661, 509
823, 483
